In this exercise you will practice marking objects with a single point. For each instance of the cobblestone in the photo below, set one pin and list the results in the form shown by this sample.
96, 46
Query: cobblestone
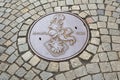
4, 76
115, 65
116, 47
3, 66
105, 67
53, 66
12, 69
92, 68
27, 56
60, 77
27, 66
103, 57
10, 50
85, 55
98, 77
30, 75
45, 75
86, 78
34, 60
98, 61
70, 75
110, 76
64, 66
92, 48
20, 72
75, 62
12, 58
42, 65
2, 49
81, 71
112, 55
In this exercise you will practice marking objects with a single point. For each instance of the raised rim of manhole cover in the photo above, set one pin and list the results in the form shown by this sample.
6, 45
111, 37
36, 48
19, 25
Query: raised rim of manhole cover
58, 36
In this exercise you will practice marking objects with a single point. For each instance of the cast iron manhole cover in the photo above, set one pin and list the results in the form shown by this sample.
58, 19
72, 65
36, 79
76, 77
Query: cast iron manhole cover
58, 36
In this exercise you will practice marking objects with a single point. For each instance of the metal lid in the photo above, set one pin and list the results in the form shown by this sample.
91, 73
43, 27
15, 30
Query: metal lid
58, 36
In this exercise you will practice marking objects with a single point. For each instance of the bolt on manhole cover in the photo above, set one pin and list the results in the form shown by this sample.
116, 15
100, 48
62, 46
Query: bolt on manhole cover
58, 36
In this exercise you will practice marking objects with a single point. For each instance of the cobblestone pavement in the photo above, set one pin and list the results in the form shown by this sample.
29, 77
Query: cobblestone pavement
99, 61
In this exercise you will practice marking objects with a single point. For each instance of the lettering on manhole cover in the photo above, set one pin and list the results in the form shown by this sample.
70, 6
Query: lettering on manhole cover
58, 36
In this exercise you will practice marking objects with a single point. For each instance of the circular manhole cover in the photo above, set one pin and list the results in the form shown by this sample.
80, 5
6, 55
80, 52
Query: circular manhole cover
58, 36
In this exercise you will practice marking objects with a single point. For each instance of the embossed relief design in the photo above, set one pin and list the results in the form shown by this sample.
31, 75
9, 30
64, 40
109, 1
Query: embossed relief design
60, 37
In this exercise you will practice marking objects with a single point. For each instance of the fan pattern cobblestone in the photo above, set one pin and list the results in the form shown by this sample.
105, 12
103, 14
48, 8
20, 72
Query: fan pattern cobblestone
99, 61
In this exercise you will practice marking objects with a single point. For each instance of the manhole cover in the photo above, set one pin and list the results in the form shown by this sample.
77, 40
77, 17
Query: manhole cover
58, 36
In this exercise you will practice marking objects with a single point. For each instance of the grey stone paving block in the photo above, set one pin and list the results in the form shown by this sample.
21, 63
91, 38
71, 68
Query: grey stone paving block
14, 38
75, 62
19, 61
95, 33
3, 57
110, 76
98, 77
105, 67
27, 66
118, 75
26, 56
112, 55
116, 39
103, 31
21, 72
105, 38
42, 65
92, 48
77, 1
115, 65
92, 68
45, 75
12, 58
36, 70
2, 49
64, 66
115, 47
30, 75
12, 69
114, 32
81, 71
14, 78
83, 7
2, 40
1, 34
60, 77
92, 6
3, 66
103, 56
1, 26
85, 55
69, 2
70, 75
106, 46
95, 41
23, 47
53, 66
95, 58
86, 78
116, 15
36, 78
14, 30
8, 35
34, 60
10, 50
4, 76
22, 33
112, 25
